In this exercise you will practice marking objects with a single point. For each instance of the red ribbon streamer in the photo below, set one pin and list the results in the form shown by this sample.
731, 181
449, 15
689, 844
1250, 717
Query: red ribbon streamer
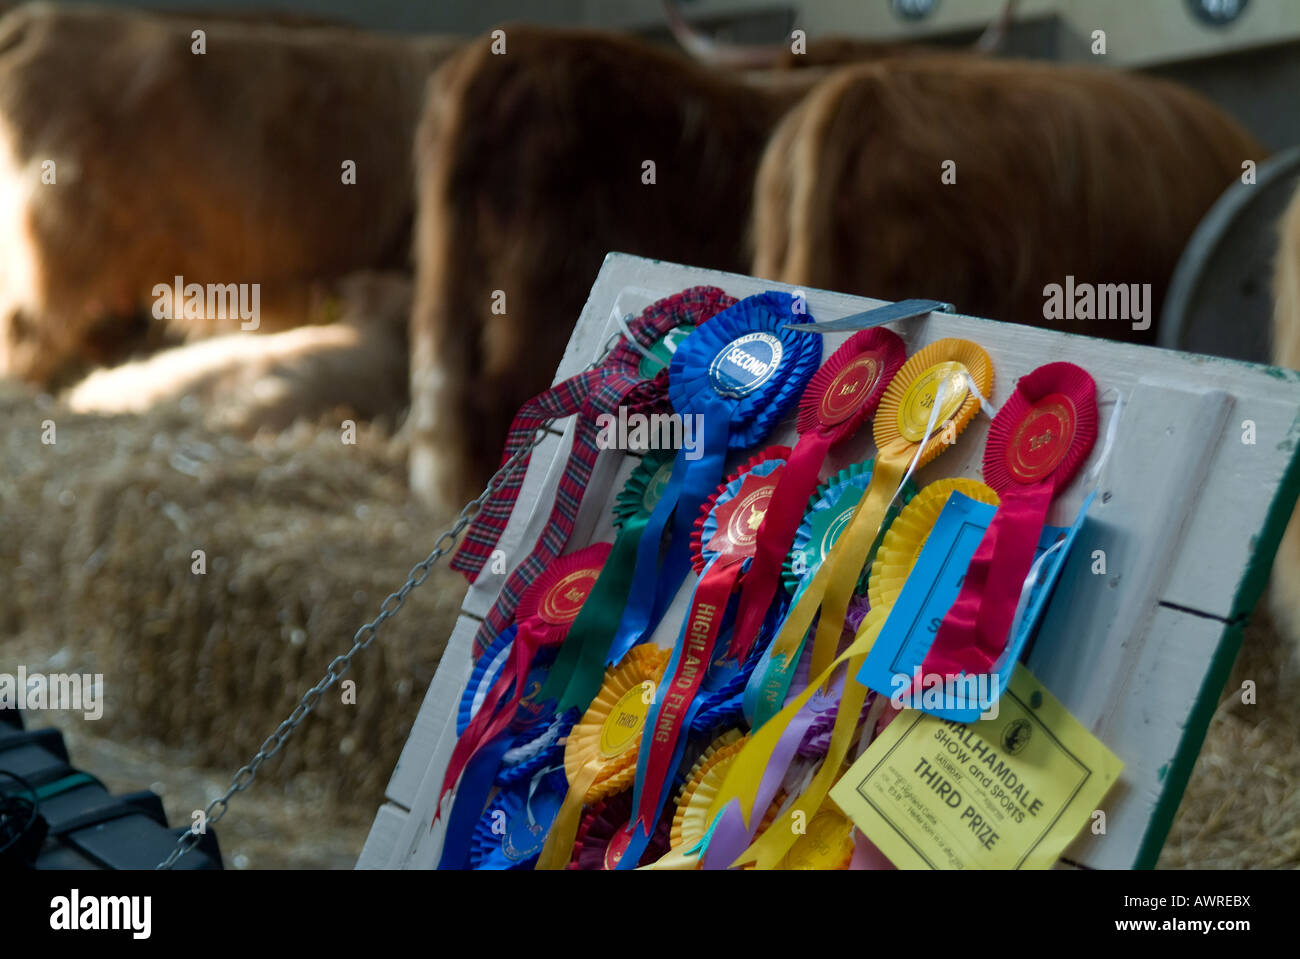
708, 607
784, 512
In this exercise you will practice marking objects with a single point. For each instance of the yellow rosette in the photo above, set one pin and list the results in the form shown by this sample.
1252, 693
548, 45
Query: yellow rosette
927, 403
906, 536
600, 755
826, 842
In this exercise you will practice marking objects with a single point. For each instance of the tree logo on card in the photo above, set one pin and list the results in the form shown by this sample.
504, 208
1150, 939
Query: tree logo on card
1015, 737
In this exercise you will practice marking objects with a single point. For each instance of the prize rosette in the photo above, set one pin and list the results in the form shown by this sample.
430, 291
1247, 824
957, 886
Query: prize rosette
749, 363
538, 732
690, 821
723, 705
835, 403
488, 668
823, 707
827, 842
610, 731
603, 838
540, 748
512, 830
723, 544
590, 647
906, 536
1036, 444
829, 511
545, 613
927, 403
600, 755
735, 376
727, 527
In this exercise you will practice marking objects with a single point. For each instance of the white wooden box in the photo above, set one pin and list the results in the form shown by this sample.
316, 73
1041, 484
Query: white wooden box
1189, 516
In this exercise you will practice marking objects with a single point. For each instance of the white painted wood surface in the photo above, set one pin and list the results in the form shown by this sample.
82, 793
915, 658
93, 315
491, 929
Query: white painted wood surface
1137, 654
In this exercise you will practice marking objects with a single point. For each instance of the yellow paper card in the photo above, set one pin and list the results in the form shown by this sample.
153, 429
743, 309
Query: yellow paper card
1004, 793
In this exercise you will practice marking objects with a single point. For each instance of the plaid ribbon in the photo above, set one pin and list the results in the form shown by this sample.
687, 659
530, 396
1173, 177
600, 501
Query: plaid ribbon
617, 382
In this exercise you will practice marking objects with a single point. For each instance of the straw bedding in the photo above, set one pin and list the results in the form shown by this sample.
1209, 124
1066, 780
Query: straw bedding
304, 537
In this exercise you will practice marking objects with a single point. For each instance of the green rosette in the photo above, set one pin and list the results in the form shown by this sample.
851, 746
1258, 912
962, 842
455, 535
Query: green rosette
830, 508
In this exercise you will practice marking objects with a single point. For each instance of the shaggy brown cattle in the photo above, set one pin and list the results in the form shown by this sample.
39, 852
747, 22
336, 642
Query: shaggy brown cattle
128, 159
1057, 172
532, 166
1285, 594
530, 169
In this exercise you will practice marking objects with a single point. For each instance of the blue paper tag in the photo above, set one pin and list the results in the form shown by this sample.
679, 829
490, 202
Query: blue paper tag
893, 666
745, 364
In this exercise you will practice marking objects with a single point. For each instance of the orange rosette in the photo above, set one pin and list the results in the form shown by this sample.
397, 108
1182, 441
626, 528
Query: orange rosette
600, 755
690, 821
610, 731
827, 842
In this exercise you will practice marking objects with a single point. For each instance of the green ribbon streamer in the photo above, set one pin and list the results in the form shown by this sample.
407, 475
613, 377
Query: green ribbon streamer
579, 669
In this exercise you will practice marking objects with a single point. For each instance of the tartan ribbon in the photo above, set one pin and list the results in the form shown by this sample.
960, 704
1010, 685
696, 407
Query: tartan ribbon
616, 382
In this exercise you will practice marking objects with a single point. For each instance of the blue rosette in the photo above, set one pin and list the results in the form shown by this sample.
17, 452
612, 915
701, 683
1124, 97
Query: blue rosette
512, 831
487, 668
746, 357
539, 748
723, 706
731, 380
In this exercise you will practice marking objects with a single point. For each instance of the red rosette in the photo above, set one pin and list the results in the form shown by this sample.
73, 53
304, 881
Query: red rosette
848, 387
603, 835
545, 612
699, 559
1036, 444
555, 598
1044, 431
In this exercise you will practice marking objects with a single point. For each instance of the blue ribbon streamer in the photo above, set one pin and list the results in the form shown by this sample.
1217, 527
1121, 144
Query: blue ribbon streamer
691, 484
471, 796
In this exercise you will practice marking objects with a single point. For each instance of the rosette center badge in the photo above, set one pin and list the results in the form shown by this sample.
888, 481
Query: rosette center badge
745, 364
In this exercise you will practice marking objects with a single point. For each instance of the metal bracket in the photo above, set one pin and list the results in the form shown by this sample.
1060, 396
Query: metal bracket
902, 310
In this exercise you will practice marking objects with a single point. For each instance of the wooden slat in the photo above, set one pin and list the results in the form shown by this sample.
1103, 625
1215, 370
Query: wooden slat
1157, 728
377, 853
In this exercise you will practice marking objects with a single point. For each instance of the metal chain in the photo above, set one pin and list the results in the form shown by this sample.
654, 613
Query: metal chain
361, 640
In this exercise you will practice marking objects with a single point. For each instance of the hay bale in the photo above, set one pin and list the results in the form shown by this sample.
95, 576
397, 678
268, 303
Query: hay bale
304, 536
1242, 805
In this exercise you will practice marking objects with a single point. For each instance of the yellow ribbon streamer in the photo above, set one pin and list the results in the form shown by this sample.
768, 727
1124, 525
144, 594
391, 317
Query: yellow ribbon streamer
558, 847
915, 405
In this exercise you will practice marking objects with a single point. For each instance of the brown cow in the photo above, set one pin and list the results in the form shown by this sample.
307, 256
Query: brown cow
128, 159
532, 168
1285, 592
530, 164
1059, 173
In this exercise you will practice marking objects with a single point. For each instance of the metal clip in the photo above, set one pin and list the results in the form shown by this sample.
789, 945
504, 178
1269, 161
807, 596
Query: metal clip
902, 310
